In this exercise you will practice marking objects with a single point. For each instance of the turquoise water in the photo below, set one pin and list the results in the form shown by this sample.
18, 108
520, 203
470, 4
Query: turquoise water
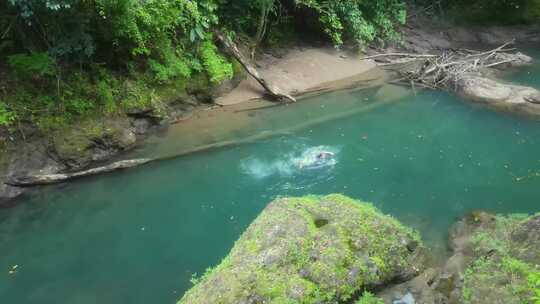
138, 236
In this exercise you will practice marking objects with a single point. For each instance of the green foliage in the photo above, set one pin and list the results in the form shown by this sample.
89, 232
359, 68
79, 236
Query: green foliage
369, 298
60, 27
164, 33
491, 11
533, 281
195, 279
51, 47
172, 68
498, 273
215, 65
149, 26
107, 87
361, 20
7, 117
29, 65
243, 15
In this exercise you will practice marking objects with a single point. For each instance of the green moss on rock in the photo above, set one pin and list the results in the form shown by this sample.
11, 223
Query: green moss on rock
505, 265
311, 250
92, 140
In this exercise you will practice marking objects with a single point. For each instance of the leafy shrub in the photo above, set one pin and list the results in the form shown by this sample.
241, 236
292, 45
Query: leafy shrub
7, 117
61, 27
174, 67
533, 280
78, 105
105, 93
361, 20
29, 65
369, 298
163, 31
216, 66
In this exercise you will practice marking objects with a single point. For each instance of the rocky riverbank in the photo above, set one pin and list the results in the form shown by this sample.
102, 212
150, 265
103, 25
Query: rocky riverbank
495, 259
96, 142
333, 249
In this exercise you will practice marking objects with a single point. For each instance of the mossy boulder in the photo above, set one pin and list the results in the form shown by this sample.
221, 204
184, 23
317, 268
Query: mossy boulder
495, 259
91, 141
504, 261
312, 250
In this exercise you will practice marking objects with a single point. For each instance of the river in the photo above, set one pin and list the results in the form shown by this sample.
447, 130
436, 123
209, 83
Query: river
138, 236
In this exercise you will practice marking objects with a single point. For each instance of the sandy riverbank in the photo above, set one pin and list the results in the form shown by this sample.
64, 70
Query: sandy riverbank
305, 70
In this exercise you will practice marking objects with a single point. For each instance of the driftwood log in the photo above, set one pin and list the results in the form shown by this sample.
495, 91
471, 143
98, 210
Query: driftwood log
47, 179
462, 72
269, 87
445, 70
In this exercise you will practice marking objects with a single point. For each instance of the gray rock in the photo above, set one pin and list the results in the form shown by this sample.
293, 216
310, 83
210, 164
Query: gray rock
72, 149
406, 299
26, 158
92, 141
527, 236
141, 126
421, 289
513, 98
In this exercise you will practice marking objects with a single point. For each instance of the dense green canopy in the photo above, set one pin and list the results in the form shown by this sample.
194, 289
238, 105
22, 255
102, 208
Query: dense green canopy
170, 36
171, 32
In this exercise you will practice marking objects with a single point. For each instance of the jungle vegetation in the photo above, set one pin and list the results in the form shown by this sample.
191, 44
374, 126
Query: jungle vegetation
61, 60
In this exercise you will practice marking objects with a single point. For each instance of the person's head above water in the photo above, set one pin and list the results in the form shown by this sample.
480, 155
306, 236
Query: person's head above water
324, 154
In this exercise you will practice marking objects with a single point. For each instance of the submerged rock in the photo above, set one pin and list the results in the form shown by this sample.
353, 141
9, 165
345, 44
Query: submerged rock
519, 99
312, 250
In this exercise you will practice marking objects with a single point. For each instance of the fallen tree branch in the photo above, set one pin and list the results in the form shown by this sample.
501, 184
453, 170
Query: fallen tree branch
235, 52
499, 63
445, 70
47, 179
399, 55
498, 49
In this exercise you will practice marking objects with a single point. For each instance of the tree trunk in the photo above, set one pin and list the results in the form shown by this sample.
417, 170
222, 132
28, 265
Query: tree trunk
47, 179
235, 52
261, 29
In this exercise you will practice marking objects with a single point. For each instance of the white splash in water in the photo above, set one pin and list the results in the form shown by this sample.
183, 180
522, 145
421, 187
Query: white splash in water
316, 158
262, 169
292, 163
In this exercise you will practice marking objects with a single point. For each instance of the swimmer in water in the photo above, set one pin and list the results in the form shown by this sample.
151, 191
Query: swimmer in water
324, 155
318, 159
